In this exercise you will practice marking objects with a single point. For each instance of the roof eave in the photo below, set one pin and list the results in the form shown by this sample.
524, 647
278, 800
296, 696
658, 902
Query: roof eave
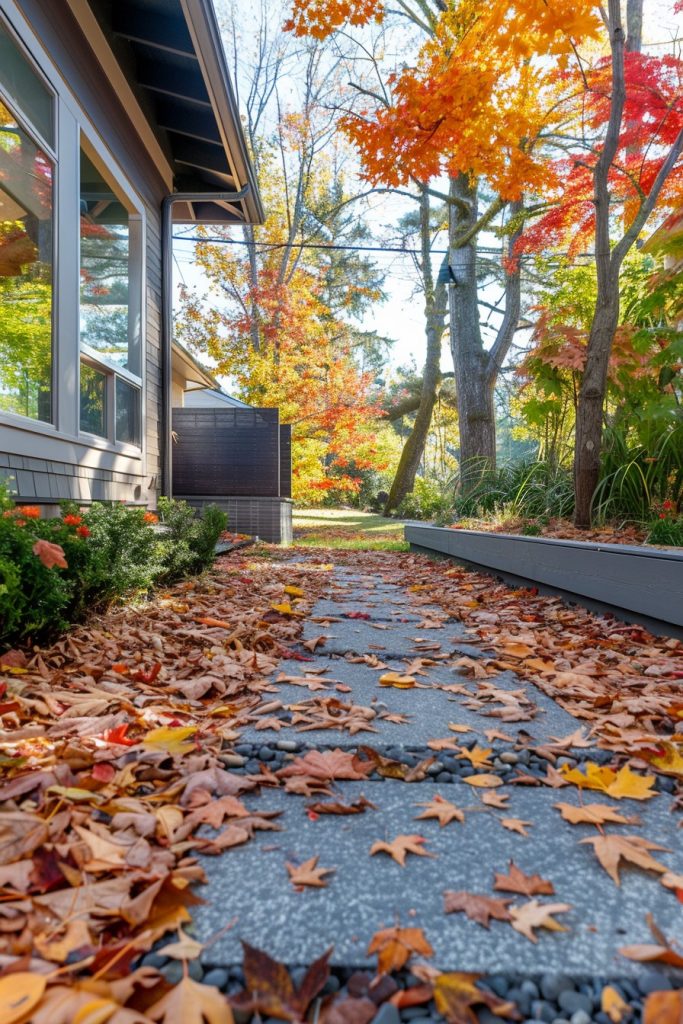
203, 27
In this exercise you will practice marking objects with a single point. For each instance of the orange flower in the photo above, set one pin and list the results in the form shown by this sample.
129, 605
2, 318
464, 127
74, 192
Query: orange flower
20, 522
72, 520
150, 517
83, 531
29, 511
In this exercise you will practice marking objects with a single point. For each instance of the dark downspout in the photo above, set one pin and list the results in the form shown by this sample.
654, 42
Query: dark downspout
167, 314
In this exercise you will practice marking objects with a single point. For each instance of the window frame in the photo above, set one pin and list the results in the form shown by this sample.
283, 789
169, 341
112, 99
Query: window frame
71, 124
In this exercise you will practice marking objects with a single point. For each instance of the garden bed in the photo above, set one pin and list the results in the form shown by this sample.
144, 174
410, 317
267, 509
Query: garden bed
639, 580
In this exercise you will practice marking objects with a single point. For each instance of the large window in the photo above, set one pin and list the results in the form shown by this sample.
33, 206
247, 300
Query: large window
110, 304
27, 174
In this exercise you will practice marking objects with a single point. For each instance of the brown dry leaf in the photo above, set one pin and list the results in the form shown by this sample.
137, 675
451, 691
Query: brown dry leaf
537, 915
527, 885
188, 1002
457, 727
516, 825
308, 874
456, 993
447, 743
612, 1003
663, 1008
395, 946
358, 806
270, 990
611, 850
651, 953
215, 811
400, 847
326, 765
186, 948
351, 1011
593, 814
392, 769
76, 937
495, 799
485, 781
441, 809
478, 907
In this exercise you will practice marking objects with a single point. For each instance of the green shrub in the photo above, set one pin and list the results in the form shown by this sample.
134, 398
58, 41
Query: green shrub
187, 546
427, 500
110, 551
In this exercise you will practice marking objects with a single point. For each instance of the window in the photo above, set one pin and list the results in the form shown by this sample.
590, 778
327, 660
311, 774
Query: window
110, 304
27, 174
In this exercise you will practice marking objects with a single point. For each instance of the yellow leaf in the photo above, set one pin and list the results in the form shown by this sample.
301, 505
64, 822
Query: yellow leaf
172, 740
285, 609
19, 994
613, 1005
97, 1011
192, 1003
401, 682
670, 762
186, 948
623, 783
75, 794
485, 781
294, 591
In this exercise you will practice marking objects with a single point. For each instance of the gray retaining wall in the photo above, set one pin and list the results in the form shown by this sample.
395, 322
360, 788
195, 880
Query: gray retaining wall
644, 581
267, 518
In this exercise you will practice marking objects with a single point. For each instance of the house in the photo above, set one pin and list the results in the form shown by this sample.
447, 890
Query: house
118, 121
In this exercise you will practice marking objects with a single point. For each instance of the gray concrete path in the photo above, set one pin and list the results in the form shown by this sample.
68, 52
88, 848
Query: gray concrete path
250, 882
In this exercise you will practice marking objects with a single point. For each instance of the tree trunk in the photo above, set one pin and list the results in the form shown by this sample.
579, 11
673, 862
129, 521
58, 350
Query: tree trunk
473, 383
435, 315
591, 403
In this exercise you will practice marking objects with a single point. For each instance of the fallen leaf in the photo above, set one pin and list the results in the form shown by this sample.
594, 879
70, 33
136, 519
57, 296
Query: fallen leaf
20, 993
663, 1008
171, 740
624, 783
516, 825
358, 806
527, 885
456, 993
611, 850
186, 948
188, 1002
395, 946
50, 555
308, 874
270, 990
396, 679
477, 756
326, 765
650, 952
400, 847
484, 781
613, 1004
443, 810
537, 915
593, 814
478, 907
495, 799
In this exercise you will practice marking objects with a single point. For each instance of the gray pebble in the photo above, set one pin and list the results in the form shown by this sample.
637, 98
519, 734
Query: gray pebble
266, 754
435, 769
523, 757
530, 988
565, 760
509, 757
413, 1013
465, 772
252, 766
542, 1010
332, 985
233, 760
173, 972
580, 1017
570, 1002
418, 1020
289, 746
553, 984
195, 970
560, 1020
217, 976
653, 981
387, 1014
522, 1000
666, 784
244, 748
498, 983
154, 960
444, 777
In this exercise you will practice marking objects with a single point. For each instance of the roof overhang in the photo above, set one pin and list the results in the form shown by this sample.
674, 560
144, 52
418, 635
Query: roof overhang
196, 376
171, 54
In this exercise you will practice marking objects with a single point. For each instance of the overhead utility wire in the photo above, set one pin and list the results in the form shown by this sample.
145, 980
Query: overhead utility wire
270, 246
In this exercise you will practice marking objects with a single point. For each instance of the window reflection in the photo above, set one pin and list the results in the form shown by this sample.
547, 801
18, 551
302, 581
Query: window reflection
109, 319
93, 401
127, 412
26, 214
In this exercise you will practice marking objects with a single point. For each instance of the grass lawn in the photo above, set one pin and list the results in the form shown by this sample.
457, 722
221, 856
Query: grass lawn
348, 529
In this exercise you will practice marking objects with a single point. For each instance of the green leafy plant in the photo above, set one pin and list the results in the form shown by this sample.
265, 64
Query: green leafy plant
666, 526
188, 542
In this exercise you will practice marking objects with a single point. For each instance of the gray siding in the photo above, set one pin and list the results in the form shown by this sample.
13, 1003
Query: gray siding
46, 467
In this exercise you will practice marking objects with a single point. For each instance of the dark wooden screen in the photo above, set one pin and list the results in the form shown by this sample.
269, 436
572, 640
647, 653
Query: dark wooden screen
285, 461
226, 452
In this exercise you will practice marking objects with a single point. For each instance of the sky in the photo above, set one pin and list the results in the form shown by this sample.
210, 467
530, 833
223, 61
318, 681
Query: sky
400, 317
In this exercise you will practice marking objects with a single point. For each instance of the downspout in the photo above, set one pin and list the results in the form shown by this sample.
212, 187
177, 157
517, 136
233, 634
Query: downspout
167, 314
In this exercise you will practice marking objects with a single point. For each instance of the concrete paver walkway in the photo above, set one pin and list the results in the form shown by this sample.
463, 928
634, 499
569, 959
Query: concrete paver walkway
369, 892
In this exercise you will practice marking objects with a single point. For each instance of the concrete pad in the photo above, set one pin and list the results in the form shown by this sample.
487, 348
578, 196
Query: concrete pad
367, 893
428, 710
396, 641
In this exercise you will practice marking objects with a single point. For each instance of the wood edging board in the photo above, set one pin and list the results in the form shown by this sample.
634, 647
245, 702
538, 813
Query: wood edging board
645, 581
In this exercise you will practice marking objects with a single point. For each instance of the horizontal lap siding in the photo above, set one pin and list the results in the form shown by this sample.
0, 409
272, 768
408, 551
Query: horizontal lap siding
65, 475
